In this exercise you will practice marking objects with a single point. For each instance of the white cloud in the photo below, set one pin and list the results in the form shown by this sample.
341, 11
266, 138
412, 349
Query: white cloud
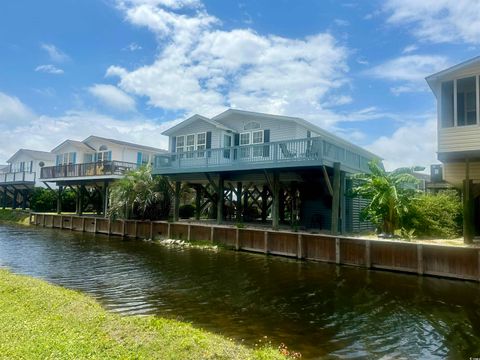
49, 69
409, 70
412, 144
113, 97
55, 53
437, 21
132, 47
203, 69
410, 48
12, 112
28, 130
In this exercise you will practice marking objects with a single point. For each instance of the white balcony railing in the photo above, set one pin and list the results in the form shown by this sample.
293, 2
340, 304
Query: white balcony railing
308, 152
17, 177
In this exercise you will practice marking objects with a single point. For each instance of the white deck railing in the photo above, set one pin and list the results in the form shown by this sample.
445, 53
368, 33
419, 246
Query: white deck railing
309, 151
17, 177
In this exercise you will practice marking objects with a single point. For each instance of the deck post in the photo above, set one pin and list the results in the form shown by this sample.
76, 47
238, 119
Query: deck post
24, 199
237, 240
4, 202
14, 201
220, 199
335, 198
59, 199
245, 203
264, 203
151, 230
281, 208
176, 201
276, 200
105, 199
239, 194
468, 232
343, 202
80, 191
198, 194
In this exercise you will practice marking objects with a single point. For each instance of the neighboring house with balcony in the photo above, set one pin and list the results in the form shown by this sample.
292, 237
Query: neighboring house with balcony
251, 166
458, 113
21, 175
89, 166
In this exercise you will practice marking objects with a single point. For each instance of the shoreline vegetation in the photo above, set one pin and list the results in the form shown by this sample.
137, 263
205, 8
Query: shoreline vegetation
40, 320
16, 216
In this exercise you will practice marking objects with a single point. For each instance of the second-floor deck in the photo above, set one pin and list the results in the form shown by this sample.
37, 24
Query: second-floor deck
20, 177
101, 170
282, 154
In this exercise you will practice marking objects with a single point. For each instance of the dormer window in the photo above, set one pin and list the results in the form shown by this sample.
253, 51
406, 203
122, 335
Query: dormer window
459, 102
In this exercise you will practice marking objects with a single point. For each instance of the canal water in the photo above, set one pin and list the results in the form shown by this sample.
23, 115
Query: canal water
320, 310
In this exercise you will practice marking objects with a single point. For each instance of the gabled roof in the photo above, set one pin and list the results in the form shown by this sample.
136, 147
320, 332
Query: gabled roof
450, 72
33, 154
75, 143
308, 125
191, 120
123, 143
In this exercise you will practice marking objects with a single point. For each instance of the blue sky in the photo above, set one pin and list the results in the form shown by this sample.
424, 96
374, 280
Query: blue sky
131, 68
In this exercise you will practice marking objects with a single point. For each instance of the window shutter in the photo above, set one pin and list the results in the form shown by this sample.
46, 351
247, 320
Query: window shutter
209, 140
208, 143
139, 158
31, 166
95, 157
74, 158
110, 156
266, 139
236, 142
58, 161
174, 144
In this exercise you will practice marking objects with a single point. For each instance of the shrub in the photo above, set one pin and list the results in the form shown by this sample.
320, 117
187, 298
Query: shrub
43, 200
186, 211
435, 215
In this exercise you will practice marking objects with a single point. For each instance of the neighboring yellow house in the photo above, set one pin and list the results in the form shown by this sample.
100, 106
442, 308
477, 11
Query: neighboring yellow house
458, 105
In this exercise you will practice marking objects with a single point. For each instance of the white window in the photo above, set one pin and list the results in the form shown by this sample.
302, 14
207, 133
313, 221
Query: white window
201, 143
459, 102
190, 145
68, 158
257, 138
245, 138
180, 144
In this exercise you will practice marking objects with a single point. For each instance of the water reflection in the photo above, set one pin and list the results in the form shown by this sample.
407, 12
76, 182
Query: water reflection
317, 309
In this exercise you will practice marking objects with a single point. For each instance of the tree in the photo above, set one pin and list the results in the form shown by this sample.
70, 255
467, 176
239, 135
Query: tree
140, 195
389, 193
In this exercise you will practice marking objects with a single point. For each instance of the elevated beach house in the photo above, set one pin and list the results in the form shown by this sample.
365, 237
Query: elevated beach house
89, 166
248, 166
458, 105
21, 175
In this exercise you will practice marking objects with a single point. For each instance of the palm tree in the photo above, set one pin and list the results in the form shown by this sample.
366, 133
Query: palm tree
140, 195
389, 194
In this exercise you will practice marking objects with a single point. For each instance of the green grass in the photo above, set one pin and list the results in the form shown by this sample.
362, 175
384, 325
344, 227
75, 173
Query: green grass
42, 321
15, 216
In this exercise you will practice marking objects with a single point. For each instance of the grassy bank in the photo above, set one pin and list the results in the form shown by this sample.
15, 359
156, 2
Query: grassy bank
14, 216
42, 321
